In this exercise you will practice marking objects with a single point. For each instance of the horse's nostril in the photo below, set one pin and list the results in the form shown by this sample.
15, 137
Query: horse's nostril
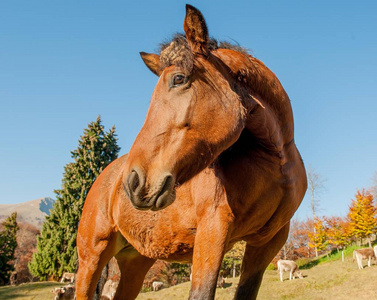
133, 181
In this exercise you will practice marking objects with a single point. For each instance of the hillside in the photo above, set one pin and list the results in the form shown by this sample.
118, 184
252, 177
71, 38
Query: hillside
328, 280
33, 212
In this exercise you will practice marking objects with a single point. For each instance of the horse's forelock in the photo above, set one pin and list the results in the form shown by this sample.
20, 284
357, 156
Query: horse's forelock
178, 52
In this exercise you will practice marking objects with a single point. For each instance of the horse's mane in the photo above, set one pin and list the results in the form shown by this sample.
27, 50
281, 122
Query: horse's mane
178, 52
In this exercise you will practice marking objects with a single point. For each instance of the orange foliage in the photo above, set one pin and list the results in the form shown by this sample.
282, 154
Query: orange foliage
318, 238
338, 232
362, 215
297, 244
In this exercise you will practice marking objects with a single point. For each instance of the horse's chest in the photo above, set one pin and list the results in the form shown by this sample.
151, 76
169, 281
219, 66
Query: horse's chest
167, 245
164, 238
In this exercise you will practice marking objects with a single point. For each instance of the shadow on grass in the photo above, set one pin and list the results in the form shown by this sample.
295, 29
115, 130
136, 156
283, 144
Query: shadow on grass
8, 294
226, 285
309, 264
23, 290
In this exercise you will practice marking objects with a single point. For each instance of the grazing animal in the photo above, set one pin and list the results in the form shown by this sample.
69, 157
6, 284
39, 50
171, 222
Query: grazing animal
157, 285
109, 290
13, 278
64, 292
288, 266
365, 253
220, 281
214, 163
70, 277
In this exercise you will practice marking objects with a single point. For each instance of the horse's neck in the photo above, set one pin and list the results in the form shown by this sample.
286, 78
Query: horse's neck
270, 119
269, 123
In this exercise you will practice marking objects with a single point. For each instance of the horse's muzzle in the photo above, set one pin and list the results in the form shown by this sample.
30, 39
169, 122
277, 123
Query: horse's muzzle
154, 197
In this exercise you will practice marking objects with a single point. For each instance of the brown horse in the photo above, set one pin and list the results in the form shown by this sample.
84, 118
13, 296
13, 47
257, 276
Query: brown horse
214, 163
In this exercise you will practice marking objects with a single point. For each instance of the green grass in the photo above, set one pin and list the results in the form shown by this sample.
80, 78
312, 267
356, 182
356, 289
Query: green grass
306, 263
325, 278
29, 291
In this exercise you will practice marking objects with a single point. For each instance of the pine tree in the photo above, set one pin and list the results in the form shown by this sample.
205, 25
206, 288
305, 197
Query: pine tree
8, 244
362, 215
56, 248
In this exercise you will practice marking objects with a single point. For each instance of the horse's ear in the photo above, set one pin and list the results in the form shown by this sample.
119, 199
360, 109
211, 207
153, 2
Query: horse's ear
152, 61
196, 30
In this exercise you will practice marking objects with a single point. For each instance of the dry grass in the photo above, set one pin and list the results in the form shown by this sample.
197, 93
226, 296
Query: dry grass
328, 280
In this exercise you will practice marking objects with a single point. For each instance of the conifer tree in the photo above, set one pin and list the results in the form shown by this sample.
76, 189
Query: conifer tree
56, 248
8, 244
362, 215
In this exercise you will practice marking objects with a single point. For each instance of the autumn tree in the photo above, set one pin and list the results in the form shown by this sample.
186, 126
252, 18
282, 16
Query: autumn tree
156, 273
318, 238
56, 248
315, 187
8, 244
26, 246
373, 188
169, 273
233, 259
362, 215
176, 273
338, 232
297, 244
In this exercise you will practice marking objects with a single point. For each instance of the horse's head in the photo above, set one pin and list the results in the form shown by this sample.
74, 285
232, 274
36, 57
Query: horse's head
196, 112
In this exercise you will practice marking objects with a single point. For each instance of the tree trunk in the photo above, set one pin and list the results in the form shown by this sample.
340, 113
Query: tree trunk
234, 270
342, 255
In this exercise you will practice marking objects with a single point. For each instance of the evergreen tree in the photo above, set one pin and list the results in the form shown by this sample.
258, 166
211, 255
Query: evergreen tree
8, 244
56, 248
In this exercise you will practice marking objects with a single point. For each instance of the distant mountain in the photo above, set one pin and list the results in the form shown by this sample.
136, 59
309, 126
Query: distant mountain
33, 212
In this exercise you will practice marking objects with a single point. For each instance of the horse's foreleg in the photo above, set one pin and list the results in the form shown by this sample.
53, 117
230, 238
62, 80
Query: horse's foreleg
255, 262
208, 254
133, 268
93, 256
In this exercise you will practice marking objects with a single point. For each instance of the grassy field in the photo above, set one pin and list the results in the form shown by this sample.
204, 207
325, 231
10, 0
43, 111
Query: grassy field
331, 279
29, 291
328, 280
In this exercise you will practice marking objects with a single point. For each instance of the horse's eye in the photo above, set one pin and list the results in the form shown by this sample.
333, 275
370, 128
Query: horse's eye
178, 79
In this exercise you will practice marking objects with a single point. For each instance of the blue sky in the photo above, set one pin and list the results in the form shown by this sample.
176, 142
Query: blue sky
64, 63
